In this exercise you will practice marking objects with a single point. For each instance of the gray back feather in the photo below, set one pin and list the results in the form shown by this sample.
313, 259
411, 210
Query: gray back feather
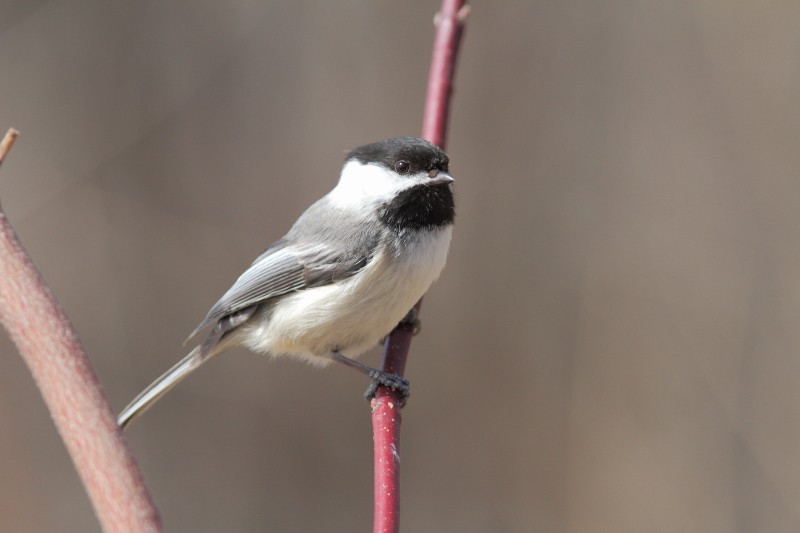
325, 245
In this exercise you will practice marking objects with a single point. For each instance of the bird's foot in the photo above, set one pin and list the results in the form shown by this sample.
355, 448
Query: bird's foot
398, 384
379, 378
412, 320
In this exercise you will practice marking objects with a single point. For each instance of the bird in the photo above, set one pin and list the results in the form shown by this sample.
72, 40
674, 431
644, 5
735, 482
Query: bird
349, 270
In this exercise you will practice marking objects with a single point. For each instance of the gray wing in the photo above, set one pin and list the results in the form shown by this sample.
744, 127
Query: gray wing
288, 266
275, 272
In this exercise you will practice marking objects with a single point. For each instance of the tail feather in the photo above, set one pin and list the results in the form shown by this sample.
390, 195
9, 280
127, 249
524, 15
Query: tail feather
215, 343
161, 386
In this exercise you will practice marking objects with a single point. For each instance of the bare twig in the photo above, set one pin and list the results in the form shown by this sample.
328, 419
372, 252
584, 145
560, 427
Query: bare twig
7, 143
386, 405
71, 390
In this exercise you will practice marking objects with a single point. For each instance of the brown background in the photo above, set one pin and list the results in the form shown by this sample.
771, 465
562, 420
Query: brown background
612, 348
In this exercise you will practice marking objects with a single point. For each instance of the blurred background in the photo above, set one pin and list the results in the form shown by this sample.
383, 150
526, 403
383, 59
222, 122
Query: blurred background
613, 346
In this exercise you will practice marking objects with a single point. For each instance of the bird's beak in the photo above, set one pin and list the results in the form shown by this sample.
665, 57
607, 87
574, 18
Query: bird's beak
440, 179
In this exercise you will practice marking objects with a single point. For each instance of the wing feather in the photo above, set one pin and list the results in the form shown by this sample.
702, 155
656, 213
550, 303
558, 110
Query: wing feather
336, 245
271, 275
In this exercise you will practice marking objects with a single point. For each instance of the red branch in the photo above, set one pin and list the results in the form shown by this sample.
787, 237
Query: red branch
71, 390
386, 406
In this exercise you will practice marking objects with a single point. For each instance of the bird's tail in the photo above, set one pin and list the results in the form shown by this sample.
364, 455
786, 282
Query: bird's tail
162, 385
216, 342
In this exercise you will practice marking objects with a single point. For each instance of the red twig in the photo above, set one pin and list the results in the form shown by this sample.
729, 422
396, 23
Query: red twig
385, 406
70, 388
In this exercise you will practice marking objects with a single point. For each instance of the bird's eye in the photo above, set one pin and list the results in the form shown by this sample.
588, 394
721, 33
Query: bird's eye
402, 167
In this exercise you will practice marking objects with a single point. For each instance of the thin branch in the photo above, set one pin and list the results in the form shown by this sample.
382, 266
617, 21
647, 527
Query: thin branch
7, 143
386, 405
71, 390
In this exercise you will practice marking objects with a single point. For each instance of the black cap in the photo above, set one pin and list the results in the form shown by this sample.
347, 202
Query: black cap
421, 155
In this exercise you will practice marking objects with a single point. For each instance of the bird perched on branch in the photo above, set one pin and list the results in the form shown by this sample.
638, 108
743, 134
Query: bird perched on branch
347, 272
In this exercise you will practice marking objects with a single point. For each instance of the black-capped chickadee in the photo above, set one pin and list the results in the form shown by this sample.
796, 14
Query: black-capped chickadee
345, 275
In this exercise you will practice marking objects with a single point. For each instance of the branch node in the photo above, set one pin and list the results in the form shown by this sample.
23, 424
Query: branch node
463, 13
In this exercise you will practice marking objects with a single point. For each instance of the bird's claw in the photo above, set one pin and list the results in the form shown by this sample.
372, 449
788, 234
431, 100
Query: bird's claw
386, 379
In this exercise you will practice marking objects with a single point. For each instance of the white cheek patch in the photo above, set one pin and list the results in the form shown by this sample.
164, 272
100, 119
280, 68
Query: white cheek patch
361, 184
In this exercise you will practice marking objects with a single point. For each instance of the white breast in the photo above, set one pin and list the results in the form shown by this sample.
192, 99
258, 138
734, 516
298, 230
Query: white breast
352, 315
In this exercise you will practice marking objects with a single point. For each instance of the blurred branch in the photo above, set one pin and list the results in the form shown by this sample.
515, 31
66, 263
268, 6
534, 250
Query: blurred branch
7, 142
71, 390
386, 404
